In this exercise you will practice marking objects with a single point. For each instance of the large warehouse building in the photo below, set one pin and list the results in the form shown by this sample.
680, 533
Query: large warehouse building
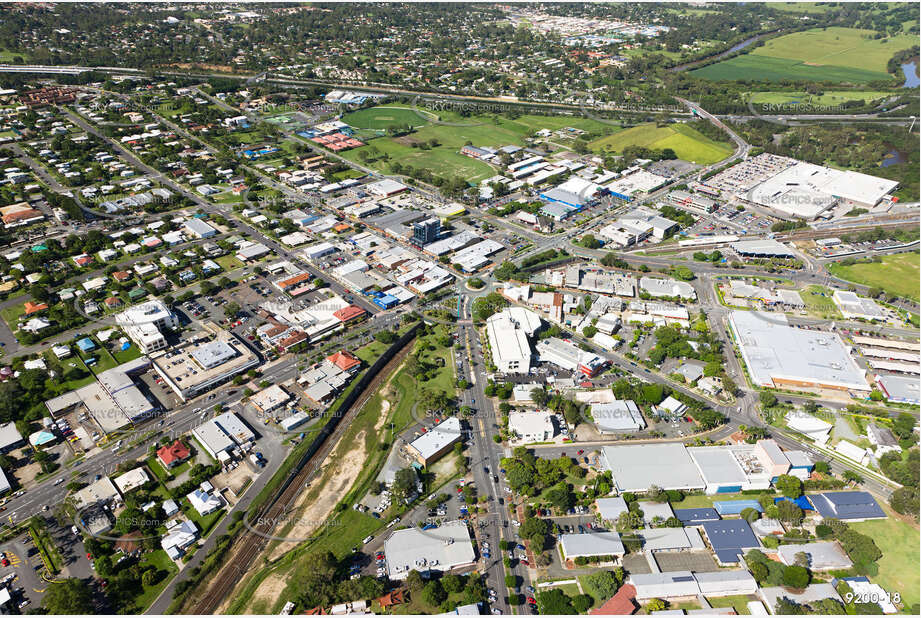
439, 549
778, 355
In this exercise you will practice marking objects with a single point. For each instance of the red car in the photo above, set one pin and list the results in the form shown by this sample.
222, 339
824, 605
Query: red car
5, 562
581, 451
532, 601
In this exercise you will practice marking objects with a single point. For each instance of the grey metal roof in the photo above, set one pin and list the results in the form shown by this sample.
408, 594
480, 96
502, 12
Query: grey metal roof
729, 538
591, 544
695, 516
636, 467
822, 555
846, 505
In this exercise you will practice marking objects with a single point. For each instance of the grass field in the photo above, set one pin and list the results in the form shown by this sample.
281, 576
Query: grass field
898, 568
383, 116
819, 302
688, 143
829, 54
835, 97
897, 274
445, 159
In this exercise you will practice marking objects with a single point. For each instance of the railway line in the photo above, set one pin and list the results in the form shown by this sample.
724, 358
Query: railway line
253, 540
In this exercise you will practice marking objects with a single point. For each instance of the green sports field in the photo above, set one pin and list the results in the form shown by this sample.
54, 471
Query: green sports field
445, 159
898, 568
833, 97
829, 54
897, 274
383, 116
688, 143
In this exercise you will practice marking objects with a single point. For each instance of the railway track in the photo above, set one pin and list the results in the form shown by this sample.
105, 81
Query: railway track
251, 544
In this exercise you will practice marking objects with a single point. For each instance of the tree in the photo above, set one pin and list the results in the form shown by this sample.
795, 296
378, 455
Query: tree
404, 483
796, 576
582, 603
539, 397
801, 559
231, 309
452, 583
70, 596
905, 501
789, 512
414, 581
655, 605
433, 593
555, 601
759, 571
822, 467
852, 477
768, 400
789, 486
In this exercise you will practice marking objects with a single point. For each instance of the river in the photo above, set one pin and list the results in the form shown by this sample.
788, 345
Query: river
731, 50
910, 70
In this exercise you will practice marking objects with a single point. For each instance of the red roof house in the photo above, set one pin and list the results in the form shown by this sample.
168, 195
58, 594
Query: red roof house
344, 360
621, 604
31, 307
347, 314
173, 454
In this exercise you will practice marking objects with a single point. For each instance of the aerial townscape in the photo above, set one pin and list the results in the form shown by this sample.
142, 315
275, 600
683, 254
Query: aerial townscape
460, 308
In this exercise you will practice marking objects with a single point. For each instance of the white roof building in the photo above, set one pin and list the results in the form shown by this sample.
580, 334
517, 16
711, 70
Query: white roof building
853, 306
204, 502
618, 416
439, 549
532, 426
508, 333
778, 355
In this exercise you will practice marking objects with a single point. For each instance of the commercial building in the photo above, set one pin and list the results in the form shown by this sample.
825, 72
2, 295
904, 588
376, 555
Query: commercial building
846, 505
426, 231
730, 469
778, 355
691, 201
199, 229
812, 593
899, 388
730, 539
131, 480
697, 516
667, 288
853, 306
637, 467
620, 416
610, 509
10, 438
636, 226
223, 434
576, 192
591, 544
509, 332
531, 426
883, 439
437, 441
822, 555
270, 399
810, 426
762, 248
640, 182
101, 491
569, 356
212, 359
144, 324
438, 549
113, 400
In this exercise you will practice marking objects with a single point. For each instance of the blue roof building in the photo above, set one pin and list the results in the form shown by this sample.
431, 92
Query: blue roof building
695, 517
734, 507
802, 502
86, 344
847, 505
730, 538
